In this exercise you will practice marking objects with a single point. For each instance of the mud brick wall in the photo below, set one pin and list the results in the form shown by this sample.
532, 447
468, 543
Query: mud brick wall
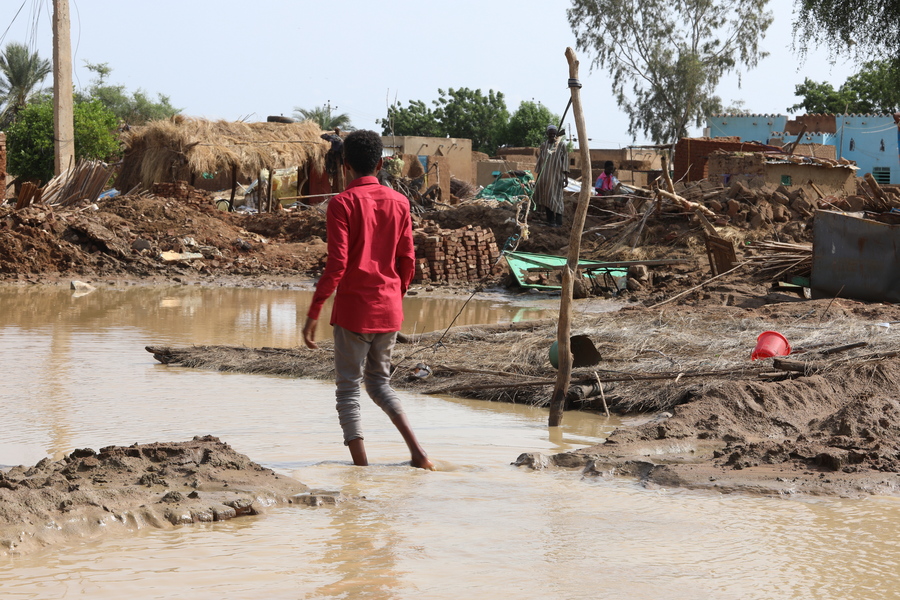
722, 164
412, 167
455, 255
692, 155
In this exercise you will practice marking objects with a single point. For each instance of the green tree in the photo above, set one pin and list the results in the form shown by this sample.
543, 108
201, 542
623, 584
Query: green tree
667, 58
30, 139
853, 28
136, 108
528, 125
469, 114
324, 117
821, 98
458, 113
415, 119
875, 88
21, 72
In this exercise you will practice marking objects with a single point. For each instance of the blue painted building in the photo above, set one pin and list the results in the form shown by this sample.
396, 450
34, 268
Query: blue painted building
870, 141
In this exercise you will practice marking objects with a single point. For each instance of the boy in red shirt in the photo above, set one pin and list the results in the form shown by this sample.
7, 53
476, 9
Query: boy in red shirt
371, 262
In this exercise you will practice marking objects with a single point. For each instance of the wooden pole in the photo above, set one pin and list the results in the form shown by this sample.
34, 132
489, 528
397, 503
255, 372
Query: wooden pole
564, 374
234, 169
270, 202
63, 120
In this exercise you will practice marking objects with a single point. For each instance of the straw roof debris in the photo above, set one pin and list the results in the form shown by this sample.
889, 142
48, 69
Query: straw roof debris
167, 149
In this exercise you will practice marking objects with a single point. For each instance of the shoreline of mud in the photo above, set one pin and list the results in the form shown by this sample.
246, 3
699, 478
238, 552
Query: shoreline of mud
830, 428
119, 489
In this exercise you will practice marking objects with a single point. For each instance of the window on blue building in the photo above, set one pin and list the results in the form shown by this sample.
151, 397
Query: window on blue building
882, 175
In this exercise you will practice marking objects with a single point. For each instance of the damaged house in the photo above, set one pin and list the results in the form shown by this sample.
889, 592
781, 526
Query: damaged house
755, 169
189, 149
870, 141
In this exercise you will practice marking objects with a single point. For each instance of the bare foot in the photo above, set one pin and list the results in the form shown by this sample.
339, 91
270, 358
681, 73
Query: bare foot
423, 463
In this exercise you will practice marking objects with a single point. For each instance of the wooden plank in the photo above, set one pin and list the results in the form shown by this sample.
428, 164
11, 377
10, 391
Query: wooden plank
721, 254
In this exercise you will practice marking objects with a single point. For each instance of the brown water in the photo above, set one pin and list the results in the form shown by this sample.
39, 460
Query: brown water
75, 374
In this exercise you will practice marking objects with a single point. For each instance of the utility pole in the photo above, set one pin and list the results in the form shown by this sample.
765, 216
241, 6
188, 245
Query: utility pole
63, 120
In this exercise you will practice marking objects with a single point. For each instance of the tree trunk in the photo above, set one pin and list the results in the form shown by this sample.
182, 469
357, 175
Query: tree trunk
564, 375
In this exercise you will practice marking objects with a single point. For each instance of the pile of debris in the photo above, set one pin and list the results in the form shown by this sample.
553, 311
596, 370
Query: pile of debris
82, 183
748, 206
450, 256
181, 190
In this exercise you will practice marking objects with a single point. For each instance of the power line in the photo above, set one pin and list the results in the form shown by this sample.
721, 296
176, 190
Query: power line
3, 37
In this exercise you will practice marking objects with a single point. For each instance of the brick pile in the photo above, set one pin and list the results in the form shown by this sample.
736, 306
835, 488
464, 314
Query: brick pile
455, 255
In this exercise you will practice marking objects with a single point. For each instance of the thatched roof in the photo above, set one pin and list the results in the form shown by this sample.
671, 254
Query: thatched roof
163, 150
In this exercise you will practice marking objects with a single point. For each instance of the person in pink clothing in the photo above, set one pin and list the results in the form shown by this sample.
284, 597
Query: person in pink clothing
607, 184
371, 262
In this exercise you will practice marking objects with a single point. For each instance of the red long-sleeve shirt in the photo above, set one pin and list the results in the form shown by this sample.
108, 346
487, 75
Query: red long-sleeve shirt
371, 258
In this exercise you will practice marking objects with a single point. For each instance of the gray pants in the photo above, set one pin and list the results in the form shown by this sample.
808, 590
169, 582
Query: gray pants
363, 357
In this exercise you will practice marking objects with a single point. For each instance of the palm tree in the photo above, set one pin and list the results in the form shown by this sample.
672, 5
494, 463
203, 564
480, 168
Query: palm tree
21, 71
323, 116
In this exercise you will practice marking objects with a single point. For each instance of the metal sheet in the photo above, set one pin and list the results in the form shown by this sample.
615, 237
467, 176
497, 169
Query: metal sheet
520, 262
854, 257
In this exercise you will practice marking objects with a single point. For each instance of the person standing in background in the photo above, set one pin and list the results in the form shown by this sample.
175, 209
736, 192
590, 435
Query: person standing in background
552, 176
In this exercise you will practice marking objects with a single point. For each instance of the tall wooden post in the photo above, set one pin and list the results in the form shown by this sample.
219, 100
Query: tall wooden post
234, 178
63, 123
270, 201
564, 374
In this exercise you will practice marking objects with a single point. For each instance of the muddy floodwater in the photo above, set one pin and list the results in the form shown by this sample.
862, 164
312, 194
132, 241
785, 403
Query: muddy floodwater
75, 374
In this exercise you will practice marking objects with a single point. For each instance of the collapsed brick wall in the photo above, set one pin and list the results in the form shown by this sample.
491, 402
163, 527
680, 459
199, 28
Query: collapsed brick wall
454, 255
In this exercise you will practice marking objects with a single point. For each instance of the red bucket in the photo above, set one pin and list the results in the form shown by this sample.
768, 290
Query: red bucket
769, 344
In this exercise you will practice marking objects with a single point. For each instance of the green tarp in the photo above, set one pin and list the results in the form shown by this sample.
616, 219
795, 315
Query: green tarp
509, 189
520, 262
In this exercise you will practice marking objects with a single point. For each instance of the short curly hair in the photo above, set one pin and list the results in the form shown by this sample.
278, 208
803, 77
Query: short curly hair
362, 151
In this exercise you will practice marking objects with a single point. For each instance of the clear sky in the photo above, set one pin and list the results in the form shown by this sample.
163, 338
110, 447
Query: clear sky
233, 59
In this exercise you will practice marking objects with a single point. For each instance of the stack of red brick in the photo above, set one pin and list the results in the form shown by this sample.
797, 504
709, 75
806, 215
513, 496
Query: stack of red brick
455, 255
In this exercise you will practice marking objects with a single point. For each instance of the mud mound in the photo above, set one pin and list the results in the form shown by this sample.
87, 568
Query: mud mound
837, 433
300, 226
124, 489
134, 236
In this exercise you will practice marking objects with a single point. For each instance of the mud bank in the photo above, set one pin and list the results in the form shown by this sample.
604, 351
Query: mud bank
124, 489
832, 433
699, 412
